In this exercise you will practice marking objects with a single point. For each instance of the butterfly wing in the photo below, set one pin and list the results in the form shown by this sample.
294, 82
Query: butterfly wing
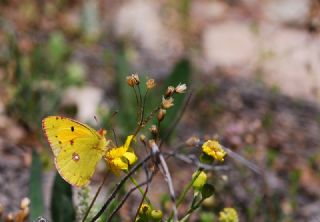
77, 148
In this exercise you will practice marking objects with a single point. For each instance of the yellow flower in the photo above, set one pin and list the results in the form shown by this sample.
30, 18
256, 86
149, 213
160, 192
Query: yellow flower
228, 215
214, 149
120, 158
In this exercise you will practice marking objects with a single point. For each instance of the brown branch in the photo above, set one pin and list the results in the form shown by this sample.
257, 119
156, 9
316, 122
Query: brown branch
167, 176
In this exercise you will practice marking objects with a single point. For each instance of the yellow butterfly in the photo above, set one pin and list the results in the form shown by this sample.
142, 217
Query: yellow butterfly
77, 148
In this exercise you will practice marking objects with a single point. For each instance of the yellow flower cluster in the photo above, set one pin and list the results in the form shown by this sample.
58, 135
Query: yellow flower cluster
120, 158
214, 149
228, 215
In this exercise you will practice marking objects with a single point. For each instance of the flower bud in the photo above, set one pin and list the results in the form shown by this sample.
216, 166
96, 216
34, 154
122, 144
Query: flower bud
156, 215
167, 103
133, 80
9, 218
193, 141
169, 92
200, 180
145, 209
181, 88
154, 130
143, 138
25, 202
150, 83
161, 114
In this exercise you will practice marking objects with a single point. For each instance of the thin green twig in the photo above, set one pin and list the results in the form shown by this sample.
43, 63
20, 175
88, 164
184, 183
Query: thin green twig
94, 198
140, 190
119, 185
186, 190
127, 196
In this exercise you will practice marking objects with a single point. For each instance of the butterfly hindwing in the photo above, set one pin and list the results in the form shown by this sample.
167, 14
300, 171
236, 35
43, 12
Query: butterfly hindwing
76, 163
77, 148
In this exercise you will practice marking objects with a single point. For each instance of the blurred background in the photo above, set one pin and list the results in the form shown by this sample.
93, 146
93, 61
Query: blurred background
253, 67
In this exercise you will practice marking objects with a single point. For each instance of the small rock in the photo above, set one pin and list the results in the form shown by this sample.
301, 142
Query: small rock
229, 44
86, 99
294, 62
141, 22
287, 11
206, 11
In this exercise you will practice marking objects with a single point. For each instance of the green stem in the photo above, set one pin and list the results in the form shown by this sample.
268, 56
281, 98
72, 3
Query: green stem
194, 206
140, 190
138, 103
94, 198
143, 107
186, 190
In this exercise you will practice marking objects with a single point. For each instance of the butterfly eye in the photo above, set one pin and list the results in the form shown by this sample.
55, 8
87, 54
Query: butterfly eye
72, 128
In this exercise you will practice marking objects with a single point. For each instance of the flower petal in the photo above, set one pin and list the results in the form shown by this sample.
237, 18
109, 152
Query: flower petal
131, 157
116, 152
128, 142
120, 164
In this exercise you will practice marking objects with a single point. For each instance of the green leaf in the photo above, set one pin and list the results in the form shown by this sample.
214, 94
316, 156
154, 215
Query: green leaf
57, 47
207, 191
206, 159
181, 73
62, 209
35, 188
75, 73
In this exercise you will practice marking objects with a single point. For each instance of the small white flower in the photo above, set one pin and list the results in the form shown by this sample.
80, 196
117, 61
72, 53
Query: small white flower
181, 88
167, 103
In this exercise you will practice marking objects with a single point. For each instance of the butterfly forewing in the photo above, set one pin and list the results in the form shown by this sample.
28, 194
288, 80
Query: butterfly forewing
77, 148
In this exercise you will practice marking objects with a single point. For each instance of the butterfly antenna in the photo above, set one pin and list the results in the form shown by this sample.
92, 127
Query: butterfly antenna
112, 127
